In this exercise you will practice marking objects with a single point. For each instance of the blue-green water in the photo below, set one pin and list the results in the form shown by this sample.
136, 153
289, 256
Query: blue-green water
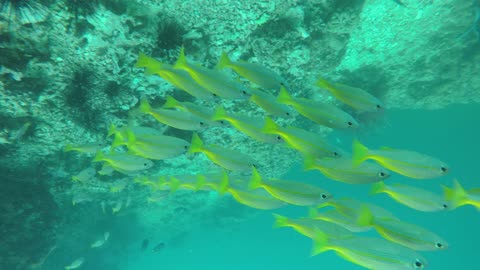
253, 244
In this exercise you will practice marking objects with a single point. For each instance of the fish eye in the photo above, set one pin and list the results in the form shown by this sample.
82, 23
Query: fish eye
382, 174
336, 154
438, 245
444, 169
287, 113
279, 138
221, 122
445, 206
378, 106
350, 123
145, 164
418, 264
186, 147
244, 92
324, 196
202, 123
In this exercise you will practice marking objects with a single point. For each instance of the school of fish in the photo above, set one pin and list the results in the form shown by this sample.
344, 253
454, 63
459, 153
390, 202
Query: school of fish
333, 222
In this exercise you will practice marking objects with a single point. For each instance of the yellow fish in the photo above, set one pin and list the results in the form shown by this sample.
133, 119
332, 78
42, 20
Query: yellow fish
85, 148
178, 78
173, 118
404, 162
75, 264
214, 81
403, 233
353, 208
309, 227
255, 73
292, 192
413, 197
255, 199
342, 169
200, 111
270, 105
371, 253
306, 142
354, 97
123, 162
458, 196
156, 147
249, 126
320, 113
224, 157
346, 221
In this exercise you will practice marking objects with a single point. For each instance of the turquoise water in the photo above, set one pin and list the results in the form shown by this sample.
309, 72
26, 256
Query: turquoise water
67, 74
254, 244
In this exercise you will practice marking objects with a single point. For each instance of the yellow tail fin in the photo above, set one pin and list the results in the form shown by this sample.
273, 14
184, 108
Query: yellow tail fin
224, 61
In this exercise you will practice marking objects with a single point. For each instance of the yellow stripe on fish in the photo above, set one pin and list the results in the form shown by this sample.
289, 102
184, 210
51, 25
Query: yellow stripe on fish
255, 73
214, 81
405, 162
321, 113
224, 157
354, 97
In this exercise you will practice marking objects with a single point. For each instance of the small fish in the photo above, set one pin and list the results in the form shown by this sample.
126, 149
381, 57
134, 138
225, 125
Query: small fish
158, 247
117, 207
371, 253
309, 227
413, 197
219, 182
404, 162
124, 163
214, 81
213, 181
306, 142
292, 192
178, 78
85, 175
353, 208
270, 105
321, 113
342, 169
457, 196
75, 264
144, 245
200, 111
18, 135
103, 206
224, 157
403, 233
106, 170
249, 126
85, 148
106, 236
173, 118
346, 221
156, 147
100, 242
255, 73
81, 196
255, 199
356, 98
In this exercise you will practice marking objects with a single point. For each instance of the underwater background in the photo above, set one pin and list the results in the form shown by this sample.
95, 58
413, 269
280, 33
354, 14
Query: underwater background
67, 73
